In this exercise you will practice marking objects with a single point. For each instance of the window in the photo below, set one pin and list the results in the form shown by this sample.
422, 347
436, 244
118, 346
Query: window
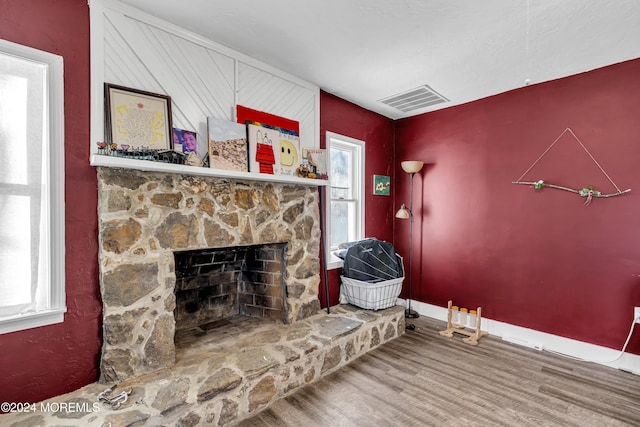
345, 207
31, 188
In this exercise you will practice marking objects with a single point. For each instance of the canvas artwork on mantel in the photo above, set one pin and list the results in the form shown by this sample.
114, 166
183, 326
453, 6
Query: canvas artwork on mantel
288, 152
272, 150
262, 157
227, 145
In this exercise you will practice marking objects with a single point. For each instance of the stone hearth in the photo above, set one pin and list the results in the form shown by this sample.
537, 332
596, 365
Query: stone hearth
231, 373
144, 217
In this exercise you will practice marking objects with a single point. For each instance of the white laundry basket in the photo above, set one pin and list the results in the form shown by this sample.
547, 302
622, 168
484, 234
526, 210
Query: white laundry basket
370, 296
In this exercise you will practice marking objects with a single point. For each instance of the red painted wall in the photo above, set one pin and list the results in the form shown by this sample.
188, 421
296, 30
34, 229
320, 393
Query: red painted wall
342, 117
43, 362
538, 259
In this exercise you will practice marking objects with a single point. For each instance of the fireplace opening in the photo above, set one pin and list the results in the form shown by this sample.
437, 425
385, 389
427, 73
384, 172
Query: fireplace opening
217, 284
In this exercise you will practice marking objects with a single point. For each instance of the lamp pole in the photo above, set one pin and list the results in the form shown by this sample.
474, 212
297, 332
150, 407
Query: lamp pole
411, 167
408, 312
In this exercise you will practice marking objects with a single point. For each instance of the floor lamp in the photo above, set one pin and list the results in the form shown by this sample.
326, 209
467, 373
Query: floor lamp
411, 167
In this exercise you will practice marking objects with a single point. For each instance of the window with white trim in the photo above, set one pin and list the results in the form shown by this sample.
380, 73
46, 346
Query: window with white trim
32, 286
345, 204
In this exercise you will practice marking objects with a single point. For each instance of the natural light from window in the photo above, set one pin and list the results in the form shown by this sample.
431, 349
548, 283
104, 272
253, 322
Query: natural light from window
345, 208
31, 197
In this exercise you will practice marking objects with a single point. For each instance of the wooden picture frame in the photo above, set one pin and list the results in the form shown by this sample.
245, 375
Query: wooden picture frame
136, 119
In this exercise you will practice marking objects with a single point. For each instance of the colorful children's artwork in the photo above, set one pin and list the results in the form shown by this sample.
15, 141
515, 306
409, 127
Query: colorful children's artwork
262, 156
270, 134
273, 150
288, 153
228, 149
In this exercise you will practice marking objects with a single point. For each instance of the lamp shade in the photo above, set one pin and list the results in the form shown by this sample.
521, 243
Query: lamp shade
403, 212
412, 166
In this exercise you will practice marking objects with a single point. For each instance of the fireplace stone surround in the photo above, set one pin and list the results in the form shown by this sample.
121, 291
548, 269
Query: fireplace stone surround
144, 217
225, 374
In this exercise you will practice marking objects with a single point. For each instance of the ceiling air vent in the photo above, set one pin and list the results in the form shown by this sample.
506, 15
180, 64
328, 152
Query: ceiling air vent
414, 99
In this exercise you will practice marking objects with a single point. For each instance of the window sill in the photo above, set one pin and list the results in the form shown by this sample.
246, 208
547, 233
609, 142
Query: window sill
32, 320
334, 262
147, 165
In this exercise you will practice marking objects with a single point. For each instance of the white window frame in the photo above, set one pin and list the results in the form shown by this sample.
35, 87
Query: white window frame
53, 119
358, 147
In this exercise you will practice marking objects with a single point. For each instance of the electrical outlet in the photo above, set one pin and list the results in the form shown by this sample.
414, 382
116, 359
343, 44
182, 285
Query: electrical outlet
636, 314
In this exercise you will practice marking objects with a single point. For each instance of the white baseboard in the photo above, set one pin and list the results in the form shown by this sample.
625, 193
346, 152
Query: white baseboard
542, 340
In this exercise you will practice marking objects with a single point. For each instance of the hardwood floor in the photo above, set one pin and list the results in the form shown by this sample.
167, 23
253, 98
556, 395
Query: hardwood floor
424, 379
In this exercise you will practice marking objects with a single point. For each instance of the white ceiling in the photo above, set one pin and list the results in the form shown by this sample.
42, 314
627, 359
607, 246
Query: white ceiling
367, 50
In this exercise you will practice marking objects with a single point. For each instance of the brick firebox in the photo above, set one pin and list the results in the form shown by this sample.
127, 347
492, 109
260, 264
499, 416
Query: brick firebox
219, 283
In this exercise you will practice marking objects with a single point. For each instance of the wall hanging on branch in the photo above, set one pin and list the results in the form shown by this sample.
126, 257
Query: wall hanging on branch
589, 192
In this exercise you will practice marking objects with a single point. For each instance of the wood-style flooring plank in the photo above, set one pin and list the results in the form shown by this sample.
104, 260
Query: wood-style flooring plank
424, 379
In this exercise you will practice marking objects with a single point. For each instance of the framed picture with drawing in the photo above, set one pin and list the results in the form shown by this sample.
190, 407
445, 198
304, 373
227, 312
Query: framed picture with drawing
381, 185
137, 119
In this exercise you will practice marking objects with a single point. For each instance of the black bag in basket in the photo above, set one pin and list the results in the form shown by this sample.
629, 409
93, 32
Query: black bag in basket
372, 261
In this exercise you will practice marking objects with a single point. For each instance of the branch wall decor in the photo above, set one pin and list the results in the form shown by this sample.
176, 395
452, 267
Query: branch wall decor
587, 192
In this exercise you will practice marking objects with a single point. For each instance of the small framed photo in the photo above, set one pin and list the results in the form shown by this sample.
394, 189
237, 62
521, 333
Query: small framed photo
381, 185
317, 159
185, 141
137, 119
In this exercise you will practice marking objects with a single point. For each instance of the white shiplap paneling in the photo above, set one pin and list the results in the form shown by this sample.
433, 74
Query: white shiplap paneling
199, 81
265, 91
203, 79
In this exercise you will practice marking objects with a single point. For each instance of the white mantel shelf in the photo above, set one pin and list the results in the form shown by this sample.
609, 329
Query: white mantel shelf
151, 166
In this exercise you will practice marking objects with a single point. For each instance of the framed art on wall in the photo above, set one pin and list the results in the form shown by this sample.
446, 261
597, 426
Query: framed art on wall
137, 119
381, 185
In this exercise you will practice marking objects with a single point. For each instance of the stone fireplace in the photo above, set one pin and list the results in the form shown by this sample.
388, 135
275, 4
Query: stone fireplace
179, 254
150, 226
